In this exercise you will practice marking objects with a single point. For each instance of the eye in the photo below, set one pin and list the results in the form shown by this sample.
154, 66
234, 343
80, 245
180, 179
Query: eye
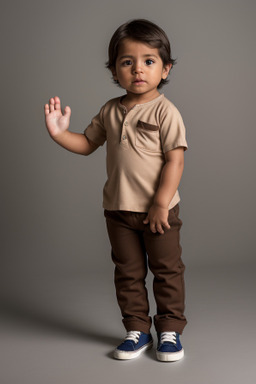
149, 62
126, 63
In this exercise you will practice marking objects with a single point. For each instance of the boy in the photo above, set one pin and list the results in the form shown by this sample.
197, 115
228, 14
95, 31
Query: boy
145, 137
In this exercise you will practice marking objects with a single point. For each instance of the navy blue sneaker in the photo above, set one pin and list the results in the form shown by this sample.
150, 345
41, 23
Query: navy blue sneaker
133, 345
169, 347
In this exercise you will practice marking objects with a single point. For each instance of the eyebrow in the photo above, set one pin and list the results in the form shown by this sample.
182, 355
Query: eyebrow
131, 57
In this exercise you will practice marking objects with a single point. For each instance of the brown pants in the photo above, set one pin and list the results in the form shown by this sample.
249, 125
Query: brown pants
135, 248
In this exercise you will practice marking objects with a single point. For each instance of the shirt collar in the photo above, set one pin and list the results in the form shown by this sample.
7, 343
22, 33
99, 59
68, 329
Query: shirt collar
136, 106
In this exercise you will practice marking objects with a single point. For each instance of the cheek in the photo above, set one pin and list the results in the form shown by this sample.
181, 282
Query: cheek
123, 74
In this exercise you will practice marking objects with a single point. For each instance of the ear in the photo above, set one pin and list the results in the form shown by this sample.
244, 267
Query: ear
113, 70
166, 71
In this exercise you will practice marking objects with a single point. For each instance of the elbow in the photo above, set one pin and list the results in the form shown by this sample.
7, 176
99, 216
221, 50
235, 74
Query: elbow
87, 152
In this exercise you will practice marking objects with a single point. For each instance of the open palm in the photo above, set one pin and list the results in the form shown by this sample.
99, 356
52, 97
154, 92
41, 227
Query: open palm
55, 121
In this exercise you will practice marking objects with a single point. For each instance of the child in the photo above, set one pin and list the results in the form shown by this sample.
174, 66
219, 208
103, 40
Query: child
145, 137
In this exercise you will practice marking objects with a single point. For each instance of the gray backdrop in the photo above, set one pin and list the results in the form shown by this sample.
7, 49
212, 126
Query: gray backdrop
52, 224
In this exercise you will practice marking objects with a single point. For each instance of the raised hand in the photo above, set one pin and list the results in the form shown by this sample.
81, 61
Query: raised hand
55, 121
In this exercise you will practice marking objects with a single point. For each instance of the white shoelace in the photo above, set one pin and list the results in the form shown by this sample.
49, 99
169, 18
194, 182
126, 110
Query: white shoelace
169, 337
133, 335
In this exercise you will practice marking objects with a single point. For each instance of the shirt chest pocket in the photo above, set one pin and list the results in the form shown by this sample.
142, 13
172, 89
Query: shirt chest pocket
147, 137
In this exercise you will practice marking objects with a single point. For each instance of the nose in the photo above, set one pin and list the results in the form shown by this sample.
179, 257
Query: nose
137, 67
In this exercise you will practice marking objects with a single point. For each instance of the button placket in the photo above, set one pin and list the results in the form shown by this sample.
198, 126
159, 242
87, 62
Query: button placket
124, 135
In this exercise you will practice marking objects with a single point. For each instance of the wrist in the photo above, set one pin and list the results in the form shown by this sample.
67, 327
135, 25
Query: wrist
160, 204
59, 137
162, 198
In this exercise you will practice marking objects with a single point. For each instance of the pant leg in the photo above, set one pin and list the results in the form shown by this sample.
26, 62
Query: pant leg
164, 258
130, 259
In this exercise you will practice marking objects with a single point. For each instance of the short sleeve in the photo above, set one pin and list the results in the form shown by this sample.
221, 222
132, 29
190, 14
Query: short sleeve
96, 131
172, 130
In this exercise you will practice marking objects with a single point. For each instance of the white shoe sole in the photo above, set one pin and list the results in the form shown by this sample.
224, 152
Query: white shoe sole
124, 355
172, 356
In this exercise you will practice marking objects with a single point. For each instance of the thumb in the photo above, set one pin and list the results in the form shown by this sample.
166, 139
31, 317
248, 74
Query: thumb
146, 221
67, 111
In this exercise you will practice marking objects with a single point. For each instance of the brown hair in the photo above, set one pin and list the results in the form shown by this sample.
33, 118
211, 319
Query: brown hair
146, 32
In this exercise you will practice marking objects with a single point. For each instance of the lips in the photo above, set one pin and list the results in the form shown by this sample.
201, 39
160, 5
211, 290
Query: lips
139, 81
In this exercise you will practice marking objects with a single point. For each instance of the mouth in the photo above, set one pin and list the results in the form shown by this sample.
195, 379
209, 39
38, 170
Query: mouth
138, 81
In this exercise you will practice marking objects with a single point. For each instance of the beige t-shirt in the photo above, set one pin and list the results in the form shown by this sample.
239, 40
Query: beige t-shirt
136, 143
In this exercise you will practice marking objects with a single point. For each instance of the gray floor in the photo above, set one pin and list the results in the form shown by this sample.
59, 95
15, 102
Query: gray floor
65, 329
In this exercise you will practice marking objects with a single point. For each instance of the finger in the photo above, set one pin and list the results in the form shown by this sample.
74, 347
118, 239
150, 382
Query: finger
153, 228
57, 103
46, 109
166, 225
51, 104
160, 229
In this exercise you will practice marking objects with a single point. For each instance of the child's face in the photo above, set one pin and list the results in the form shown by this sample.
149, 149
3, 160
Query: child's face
139, 68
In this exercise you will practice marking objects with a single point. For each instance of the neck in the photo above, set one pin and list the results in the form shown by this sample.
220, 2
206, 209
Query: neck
132, 99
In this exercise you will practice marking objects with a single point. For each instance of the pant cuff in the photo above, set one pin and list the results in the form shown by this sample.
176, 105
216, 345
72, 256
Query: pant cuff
170, 326
136, 325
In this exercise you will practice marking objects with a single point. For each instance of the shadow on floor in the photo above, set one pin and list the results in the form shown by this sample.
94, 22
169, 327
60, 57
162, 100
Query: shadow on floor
41, 321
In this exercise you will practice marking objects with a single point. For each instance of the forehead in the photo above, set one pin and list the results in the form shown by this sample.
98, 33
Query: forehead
131, 47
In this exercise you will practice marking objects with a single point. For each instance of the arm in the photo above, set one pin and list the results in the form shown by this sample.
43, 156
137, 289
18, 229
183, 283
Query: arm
169, 182
58, 124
